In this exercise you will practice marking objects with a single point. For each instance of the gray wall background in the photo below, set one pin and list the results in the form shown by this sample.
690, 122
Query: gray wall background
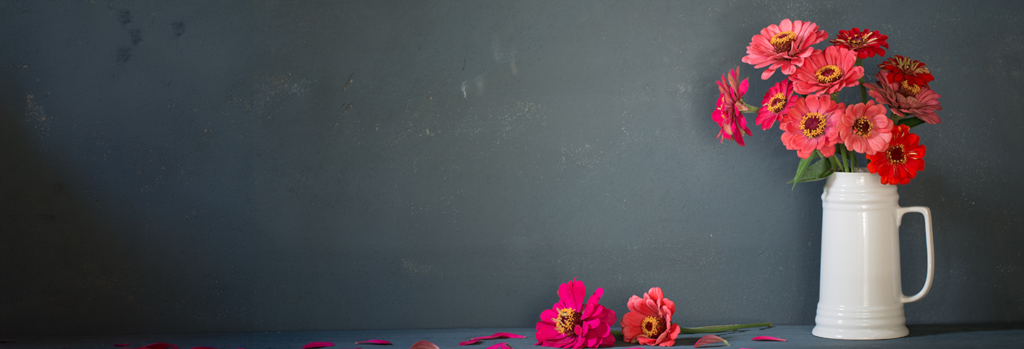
328, 165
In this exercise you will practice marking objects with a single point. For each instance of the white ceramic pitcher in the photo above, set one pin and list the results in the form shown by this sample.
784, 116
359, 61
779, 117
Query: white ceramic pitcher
861, 294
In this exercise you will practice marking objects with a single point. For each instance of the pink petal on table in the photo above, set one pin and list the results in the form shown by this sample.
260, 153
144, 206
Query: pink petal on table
709, 339
375, 341
424, 345
767, 338
122, 345
470, 342
160, 346
501, 335
317, 345
501, 345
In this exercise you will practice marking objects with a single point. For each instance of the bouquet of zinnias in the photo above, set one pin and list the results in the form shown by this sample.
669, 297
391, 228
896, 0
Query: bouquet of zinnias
806, 103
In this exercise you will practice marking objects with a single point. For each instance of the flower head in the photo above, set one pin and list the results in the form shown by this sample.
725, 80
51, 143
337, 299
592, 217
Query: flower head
864, 128
827, 72
906, 69
570, 323
649, 320
783, 46
899, 163
730, 105
905, 98
776, 104
866, 43
811, 125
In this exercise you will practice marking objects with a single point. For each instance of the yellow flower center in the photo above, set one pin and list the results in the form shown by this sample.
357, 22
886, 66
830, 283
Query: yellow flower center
812, 125
896, 155
567, 319
783, 41
777, 102
652, 327
862, 127
828, 74
856, 43
908, 89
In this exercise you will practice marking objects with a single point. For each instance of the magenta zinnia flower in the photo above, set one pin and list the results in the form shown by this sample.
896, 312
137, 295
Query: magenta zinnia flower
783, 46
811, 124
866, 43
728, 113
649, 320
864, 128
905, 98
776, 104
827, 72
572, 324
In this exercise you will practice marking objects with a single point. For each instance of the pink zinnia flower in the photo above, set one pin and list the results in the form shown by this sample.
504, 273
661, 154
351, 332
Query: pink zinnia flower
866, 43
572, 324
827, 72
649, 320
783, 46
811, 124
776, 104
728, 113
864, 128
905, 98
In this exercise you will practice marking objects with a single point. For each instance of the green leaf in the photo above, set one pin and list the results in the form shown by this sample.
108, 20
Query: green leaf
814, 172
800, 168
910, 122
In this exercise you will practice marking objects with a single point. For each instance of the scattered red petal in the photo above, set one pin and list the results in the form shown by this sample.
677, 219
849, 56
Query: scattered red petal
424, 345
375, 341
317, 345
122, 345
501, 335
501, 345
767, 338
160, 346
710, 339
470, 342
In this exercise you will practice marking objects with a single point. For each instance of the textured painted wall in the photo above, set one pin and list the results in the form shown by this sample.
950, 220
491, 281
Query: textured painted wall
281, 165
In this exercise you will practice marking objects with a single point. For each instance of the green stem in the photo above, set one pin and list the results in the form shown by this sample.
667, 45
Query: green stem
836, 166
721, 328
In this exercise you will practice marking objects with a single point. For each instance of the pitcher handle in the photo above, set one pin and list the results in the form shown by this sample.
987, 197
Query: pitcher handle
924, 211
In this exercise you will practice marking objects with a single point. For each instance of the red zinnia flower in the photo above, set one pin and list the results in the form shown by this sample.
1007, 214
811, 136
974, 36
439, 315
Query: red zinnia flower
905, 98
903, 68
901, 161
728, 113
783, 46
776, 104
649, 320
827, 72
811, 125
866, 44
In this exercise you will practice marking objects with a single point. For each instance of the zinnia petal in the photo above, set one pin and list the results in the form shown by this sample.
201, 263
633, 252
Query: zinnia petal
375, 342
709, 339
424, 345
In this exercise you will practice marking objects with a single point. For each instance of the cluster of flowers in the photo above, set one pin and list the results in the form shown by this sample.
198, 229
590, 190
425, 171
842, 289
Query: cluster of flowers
571, 323
805, 105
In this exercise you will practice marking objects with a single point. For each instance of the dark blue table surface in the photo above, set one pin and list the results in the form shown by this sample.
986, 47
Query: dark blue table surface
936, 336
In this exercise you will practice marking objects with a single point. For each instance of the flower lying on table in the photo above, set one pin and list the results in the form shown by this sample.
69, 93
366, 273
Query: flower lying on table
572, 324
814, 122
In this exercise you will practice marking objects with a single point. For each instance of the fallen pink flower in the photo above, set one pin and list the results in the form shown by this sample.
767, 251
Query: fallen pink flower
710, 339
767, 338
424, 345
501, 335
317, 345
375, 341
501, 345
470, 342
